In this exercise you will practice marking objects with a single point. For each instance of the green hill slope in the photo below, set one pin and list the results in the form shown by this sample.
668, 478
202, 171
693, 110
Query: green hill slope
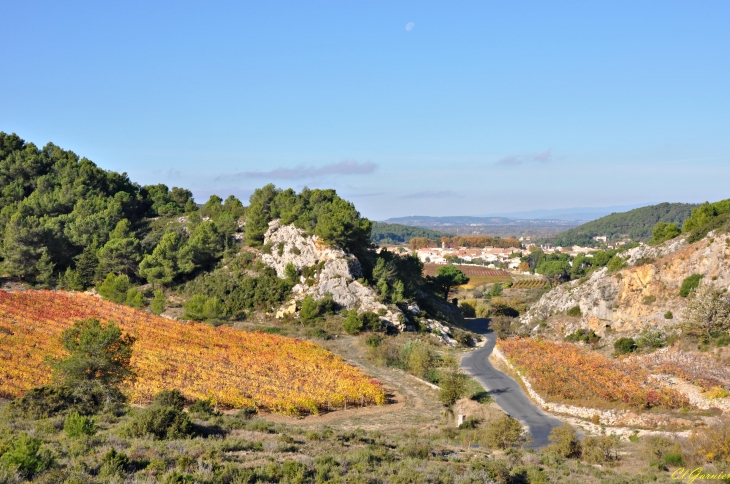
385, 233
635, 224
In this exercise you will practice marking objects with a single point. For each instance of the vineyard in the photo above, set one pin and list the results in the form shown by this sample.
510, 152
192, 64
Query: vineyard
529, 284
478, 275
231, 367
564, 372
698, 369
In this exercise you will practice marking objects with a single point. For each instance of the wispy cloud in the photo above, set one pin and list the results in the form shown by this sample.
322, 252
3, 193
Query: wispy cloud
347, 167
433, 194
512, 160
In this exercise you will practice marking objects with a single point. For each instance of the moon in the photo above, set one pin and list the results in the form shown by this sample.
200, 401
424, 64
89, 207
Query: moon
409, 26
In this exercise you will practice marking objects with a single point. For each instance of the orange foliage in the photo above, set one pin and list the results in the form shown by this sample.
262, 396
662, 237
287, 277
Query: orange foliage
234, 368
561, 371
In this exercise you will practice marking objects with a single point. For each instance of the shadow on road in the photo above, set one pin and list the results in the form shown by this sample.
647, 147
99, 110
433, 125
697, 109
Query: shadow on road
506, 392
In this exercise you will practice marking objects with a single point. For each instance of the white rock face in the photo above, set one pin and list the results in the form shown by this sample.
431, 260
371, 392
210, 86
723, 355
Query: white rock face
640, 295
338, 277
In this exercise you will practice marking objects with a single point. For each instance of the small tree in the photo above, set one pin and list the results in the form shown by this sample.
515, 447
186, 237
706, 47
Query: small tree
505, 432
707, 313
77, 425
159, 302
564, 441
26, 457
98, 361
447, 277
44, 268
623, 346
310, 309
114, 288
453, 387
689, 284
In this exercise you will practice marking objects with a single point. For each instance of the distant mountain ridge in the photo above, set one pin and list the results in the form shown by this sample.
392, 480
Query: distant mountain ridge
574, 213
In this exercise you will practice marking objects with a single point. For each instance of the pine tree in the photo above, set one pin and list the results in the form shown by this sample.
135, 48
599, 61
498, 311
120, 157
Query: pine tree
86, 265
44, 268
159, 302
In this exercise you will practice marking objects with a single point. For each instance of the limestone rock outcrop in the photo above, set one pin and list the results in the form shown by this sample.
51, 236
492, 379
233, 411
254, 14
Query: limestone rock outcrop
336, 272
641, 294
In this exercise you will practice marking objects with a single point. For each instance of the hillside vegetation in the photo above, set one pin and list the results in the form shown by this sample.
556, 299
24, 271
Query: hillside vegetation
66, 223
636, 224
385, 233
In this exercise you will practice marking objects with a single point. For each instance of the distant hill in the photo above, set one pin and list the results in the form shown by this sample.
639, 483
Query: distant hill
385, 233
635, 224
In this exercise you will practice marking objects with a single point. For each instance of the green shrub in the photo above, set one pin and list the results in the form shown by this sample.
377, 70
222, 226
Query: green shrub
113, 464
352, 323
597, 450
574, 312
564, 441
26, 457
202, 408
319, 333
114, 288
651, 299
76, 425
201, 308
161, 423
159, 302
496, 470
722, 340
624, 346
689, 284
170, 398
373, 340
651, 339
616, 263
470, 423
416, 450
417, 358
41, 402
467, 310
674, 459
668, 315
134, 298
496, 290
367, 321
453, 386
587, 336
504, 432
310, 309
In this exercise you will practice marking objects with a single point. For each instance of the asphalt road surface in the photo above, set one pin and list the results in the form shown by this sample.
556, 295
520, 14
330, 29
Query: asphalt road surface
504, 390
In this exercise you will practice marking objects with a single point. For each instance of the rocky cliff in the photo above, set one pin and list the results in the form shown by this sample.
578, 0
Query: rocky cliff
327, 269
639, 295
333, 271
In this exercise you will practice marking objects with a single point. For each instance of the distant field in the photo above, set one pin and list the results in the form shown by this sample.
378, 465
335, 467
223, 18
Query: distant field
529, 284
477, 275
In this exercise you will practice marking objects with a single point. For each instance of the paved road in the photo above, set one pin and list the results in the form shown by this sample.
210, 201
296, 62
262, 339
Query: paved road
506, 392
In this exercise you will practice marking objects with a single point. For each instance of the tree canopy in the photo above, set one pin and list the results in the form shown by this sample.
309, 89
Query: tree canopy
318, 212
446, 278
396, 234
636, 224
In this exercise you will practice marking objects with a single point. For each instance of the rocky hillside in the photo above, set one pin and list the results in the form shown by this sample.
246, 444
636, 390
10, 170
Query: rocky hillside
640, 295
326, 269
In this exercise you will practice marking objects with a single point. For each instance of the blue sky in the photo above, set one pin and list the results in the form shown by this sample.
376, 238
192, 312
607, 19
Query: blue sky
480, 107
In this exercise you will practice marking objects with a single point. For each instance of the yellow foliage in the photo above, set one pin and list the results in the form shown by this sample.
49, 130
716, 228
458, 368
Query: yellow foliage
231, 367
